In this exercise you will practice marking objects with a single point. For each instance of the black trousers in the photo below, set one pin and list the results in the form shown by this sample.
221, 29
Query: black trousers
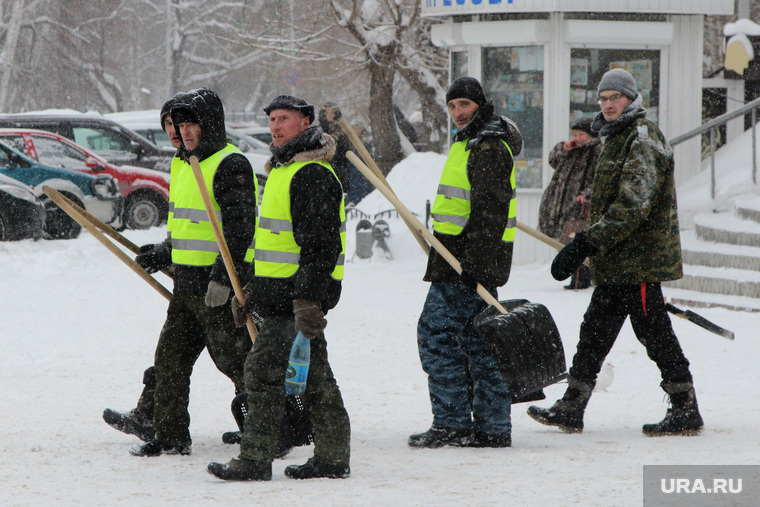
605, 315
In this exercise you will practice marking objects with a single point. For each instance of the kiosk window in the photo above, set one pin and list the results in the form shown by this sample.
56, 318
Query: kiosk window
514, 78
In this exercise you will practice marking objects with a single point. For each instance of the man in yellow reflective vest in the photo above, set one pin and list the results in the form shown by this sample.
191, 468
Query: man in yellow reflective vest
298, 272
474, 217
198, 316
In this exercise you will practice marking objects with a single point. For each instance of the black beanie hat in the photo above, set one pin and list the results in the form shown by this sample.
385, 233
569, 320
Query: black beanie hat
584, 124
466, 88
291, 102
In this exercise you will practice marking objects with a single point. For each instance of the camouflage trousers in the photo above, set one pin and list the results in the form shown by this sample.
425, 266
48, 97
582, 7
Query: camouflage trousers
264, 384
465, 385
190, 327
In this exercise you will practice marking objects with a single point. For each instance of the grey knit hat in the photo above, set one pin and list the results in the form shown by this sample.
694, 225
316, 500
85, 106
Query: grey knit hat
619, 80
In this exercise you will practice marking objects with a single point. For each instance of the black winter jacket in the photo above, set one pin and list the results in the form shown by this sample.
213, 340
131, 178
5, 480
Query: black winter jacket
234, 190
479, 247
315, 197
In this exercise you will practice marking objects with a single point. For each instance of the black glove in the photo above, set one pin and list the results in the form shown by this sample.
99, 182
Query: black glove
240, 312
310, 319
468, 280
154, 257
572, 256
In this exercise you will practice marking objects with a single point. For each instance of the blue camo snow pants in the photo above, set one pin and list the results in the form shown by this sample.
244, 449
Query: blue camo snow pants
466, 389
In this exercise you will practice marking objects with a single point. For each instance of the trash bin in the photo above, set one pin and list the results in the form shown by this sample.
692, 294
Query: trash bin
364, 239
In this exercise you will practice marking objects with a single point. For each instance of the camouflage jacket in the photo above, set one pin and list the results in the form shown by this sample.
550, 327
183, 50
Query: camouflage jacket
633, 204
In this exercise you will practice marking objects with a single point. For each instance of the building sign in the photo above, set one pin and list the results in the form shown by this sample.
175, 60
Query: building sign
457, 7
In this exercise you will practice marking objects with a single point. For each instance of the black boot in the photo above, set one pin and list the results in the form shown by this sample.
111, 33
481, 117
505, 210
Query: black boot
315, 468
567, 412
438, 436
241, 470
139, 420
480, 439
131, 423
155, 448
682, 418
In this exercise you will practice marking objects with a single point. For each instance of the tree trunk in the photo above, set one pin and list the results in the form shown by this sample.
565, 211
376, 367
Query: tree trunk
385, 137
8, 55
434, 117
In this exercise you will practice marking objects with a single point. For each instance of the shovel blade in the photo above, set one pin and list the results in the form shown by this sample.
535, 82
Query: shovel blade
526, 345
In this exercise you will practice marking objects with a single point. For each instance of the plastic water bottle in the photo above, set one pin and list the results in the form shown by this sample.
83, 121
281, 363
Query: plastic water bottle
298, 365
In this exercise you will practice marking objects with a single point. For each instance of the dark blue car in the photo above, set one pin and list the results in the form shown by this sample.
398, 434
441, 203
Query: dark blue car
22, 215
99, 195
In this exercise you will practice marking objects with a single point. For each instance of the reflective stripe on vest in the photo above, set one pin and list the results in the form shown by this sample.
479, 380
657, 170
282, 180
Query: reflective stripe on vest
451, 208
193, 241
277, 253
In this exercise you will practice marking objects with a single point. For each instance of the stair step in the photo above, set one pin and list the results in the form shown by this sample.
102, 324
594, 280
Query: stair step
748, 208
693, 299
718, 255
714, 280
727, 228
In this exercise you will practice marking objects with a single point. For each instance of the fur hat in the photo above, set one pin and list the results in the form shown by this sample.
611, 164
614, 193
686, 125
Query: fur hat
584, 124
291, 102
466, 88
619, 80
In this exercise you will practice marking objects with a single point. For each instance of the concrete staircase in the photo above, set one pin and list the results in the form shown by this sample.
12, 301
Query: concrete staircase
722, 256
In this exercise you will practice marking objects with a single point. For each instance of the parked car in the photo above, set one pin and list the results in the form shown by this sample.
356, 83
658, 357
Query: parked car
257, 132
22, 215
112, 141
145, 191
99, 195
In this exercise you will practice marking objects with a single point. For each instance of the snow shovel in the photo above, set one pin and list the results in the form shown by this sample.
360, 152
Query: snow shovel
223, 249
66, 206
525, 341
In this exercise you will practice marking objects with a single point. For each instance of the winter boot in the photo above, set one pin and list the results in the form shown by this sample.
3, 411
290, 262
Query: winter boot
315, 468
139, 420
682, 418
480, 439
438, 436
567, 412
155, 448
241, 470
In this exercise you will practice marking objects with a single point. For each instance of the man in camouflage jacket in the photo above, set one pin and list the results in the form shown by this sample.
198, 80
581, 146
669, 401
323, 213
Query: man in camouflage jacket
633, 244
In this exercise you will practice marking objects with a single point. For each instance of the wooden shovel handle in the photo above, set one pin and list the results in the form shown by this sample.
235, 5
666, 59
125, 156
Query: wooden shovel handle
108, 230
421, 229
64, 204
223, 248
376, 170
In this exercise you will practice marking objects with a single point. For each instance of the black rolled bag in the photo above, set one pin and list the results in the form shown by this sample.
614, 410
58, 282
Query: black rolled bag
526, 345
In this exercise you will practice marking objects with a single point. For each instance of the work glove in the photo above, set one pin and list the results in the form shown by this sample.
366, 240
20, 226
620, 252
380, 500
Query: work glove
569, 259
240, 312
468, 280
154, 257
217, 294
310, 319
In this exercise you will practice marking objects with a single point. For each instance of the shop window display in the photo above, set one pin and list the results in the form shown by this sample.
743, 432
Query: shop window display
514, 78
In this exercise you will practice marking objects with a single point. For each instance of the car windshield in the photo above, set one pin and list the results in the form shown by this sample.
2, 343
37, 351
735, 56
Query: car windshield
158, 137
58, 154
101, 140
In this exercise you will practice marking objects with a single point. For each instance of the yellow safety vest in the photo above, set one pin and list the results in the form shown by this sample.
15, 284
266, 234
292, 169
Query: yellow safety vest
277, 253
451, 208
193, 241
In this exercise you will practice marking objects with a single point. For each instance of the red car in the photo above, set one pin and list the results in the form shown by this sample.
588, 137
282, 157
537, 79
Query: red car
145, 191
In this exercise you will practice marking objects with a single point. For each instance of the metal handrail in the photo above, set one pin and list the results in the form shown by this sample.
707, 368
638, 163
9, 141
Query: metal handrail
712, 127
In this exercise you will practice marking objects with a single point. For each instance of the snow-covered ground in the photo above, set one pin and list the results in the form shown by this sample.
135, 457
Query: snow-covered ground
79, 328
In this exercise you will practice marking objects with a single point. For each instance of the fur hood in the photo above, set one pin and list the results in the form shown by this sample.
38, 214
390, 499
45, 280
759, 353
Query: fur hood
313, 145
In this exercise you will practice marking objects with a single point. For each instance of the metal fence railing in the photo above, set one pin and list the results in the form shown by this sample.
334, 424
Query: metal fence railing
712, 127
